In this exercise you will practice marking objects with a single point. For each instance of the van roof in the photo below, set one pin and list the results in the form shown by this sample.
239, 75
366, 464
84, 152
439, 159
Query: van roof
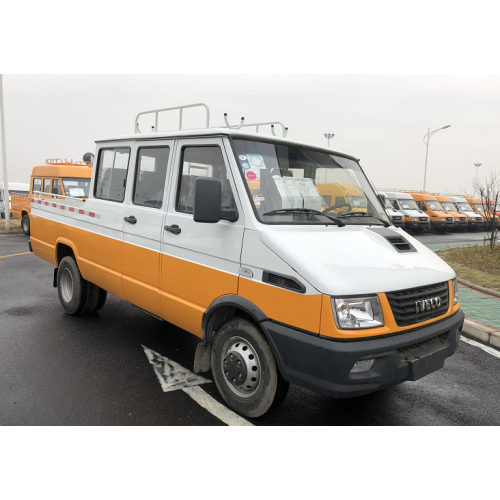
62, 170
423, 196
221, 132
397, 195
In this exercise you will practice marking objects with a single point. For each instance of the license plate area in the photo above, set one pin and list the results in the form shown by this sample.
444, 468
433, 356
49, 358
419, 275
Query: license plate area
425, 358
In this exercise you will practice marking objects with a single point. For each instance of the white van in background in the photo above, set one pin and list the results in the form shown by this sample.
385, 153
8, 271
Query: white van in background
415, 220
397, 217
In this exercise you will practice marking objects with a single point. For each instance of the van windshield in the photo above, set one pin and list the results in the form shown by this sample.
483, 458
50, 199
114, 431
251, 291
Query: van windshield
479, 207
433, 205
464, 206
295, 185
76, 187
408, 204
448, 205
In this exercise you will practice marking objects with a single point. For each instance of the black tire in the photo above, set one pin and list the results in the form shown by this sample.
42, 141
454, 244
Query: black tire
26, 224
238, 337
96, 298
71, 287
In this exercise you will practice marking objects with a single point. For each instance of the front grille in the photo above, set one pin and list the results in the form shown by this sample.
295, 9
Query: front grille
449, 218
396, 217
422, 218
462, 218
404, 308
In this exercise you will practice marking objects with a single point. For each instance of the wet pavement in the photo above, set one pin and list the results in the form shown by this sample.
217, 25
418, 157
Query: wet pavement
92, 370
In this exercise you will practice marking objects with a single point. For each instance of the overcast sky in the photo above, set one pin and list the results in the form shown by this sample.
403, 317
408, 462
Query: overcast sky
380, 119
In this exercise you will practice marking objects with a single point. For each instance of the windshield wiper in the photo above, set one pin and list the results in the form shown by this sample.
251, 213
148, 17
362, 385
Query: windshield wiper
365, 214
305, 211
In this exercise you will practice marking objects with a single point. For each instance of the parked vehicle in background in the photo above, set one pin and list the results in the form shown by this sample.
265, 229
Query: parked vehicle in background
55, 179
415, 220
397, 217
221, 232
440, 221
18, 187
480, 208
449, 208
474, 220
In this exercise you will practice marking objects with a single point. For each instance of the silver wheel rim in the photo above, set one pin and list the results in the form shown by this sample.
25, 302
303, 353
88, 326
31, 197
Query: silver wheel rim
243, 379
25, 225
66, 284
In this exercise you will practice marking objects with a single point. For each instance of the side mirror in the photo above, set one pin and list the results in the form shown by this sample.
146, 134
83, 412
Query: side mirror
207, 199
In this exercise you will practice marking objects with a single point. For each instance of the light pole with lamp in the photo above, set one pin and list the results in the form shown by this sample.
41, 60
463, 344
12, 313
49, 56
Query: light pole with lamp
477, 165
329, 136
427, 138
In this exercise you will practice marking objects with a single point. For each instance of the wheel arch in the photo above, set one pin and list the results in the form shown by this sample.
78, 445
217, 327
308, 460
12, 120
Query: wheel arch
65, 248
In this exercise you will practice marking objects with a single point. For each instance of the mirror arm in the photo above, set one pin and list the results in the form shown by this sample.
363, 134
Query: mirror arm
230, 214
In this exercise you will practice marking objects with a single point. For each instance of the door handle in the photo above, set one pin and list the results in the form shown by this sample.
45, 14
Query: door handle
174, 229
130, 220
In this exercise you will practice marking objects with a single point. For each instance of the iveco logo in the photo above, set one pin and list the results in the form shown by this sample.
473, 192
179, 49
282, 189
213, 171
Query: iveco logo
427, 305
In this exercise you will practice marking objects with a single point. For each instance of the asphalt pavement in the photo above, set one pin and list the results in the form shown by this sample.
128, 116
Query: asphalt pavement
92, 369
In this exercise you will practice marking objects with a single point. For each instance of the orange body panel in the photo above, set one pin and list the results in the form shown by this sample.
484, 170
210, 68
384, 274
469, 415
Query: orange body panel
294, 309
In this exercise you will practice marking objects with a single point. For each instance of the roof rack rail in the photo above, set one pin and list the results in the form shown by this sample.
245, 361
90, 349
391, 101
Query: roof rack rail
59, 161
207, 120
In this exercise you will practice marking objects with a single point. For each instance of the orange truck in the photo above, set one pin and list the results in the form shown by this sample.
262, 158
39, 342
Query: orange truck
55, 179
441, 221
479, 207
449, 208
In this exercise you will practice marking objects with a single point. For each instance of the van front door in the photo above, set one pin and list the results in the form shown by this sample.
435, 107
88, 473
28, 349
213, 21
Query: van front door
199, 262
143, 226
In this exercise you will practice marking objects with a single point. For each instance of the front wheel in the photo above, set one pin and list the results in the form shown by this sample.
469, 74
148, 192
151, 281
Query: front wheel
26, 224
245, 370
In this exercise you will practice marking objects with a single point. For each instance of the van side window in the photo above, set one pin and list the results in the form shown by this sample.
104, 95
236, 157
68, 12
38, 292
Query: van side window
150, 176
56, 186
202, 161
37, 184
112, 174
46, 185
421, 205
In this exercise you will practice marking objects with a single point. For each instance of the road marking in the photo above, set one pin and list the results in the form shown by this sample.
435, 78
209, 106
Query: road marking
173, 376
485, 348
13, 255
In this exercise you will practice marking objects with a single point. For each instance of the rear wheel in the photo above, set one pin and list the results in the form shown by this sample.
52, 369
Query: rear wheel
245, 370
96, 298
26, 224
71, 287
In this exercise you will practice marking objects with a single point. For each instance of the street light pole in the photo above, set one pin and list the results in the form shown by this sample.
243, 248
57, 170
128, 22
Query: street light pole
477, 165
427, 138
4, 161
329, 136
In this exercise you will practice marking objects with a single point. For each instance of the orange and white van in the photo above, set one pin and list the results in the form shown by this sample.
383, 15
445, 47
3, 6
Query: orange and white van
55, 179
440, 220
221, 231
450, 209
474, 220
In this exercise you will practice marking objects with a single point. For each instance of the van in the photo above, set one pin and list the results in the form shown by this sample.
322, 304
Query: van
450, 209
396, 216
477, 205
474, 221
440, 221
415, 220
221, 232
56, 179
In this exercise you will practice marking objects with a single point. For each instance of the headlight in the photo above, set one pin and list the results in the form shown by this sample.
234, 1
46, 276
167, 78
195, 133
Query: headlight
415, 218
455, 291
457, 218
362, 312
443, 218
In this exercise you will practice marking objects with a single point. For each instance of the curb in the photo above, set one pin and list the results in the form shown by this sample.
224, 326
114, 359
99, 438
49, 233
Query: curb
484, 333
479, 288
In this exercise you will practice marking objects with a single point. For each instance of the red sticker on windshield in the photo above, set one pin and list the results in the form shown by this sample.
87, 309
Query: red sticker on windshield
251, 176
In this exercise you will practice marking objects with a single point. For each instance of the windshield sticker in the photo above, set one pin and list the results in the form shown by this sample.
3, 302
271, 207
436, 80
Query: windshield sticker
242, 157
76, 192
251, 176
245, 166
256, 161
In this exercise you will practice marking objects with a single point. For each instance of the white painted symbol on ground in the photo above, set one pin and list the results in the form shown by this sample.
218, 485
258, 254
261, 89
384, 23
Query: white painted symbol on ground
173, 376
485, 348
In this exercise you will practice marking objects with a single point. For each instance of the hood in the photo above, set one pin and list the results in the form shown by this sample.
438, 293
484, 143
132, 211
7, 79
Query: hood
415, 213
354, 260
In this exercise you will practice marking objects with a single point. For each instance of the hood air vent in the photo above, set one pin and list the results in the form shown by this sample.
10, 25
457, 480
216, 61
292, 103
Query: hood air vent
400, 243
283, 281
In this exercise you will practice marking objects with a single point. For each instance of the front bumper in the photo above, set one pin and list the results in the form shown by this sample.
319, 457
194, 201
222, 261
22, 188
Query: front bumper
475, 224
443, 224
416, 224
323, 365
399, 223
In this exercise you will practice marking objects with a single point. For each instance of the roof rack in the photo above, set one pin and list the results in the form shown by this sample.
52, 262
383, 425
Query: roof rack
58, 161
207, 120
